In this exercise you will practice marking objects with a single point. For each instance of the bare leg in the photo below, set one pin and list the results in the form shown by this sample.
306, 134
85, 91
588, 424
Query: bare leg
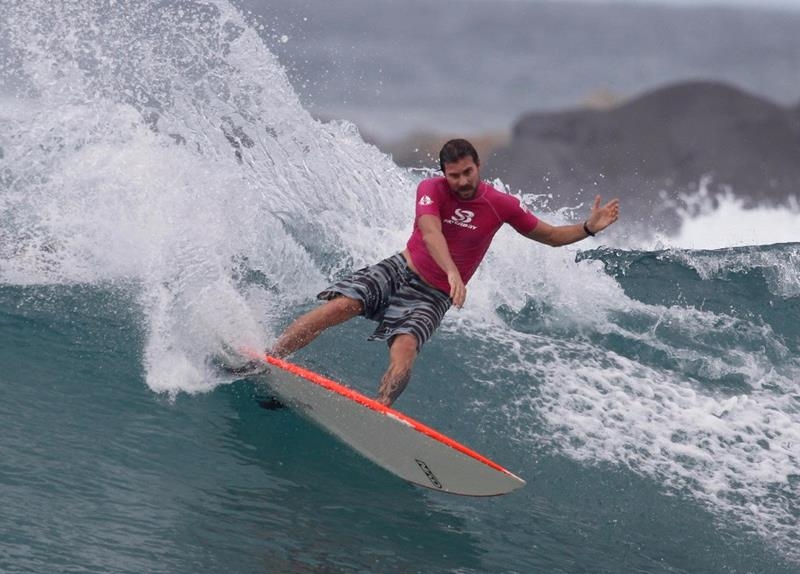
402, 354
307, 327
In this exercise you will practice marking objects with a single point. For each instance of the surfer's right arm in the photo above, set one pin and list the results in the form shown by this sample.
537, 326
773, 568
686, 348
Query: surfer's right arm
431, 228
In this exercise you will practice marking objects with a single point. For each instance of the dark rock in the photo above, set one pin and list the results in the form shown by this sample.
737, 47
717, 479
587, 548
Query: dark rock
655, 147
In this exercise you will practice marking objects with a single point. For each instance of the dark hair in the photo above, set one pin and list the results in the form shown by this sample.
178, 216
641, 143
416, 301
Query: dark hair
455, 150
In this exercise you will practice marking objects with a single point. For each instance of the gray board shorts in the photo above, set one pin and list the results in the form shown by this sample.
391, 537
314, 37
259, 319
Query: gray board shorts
394, 296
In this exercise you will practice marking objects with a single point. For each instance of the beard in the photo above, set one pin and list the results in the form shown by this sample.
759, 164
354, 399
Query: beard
467, 190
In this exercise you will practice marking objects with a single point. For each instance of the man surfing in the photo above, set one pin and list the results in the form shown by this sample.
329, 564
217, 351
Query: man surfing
457, 216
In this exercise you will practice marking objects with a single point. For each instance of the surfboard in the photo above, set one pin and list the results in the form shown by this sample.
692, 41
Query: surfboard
387, 437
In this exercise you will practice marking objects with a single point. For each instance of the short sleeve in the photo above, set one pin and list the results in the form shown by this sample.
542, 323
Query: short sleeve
428, 199
518, 216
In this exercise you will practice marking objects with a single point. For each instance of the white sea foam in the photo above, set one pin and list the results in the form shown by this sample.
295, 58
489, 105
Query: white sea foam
714, 222
180, 171
737, 453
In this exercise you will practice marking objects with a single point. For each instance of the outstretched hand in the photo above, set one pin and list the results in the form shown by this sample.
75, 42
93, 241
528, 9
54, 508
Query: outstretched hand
602, 216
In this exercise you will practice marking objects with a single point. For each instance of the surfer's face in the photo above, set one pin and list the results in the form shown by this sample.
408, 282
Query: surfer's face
463, 177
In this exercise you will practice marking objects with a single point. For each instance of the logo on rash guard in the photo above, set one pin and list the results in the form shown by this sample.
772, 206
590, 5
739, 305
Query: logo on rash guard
462, 218
425, 200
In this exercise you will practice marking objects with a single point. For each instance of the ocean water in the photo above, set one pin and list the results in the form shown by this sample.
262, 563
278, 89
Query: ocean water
164, 192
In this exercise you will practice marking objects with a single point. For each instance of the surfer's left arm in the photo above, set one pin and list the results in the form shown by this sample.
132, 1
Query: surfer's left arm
600, 217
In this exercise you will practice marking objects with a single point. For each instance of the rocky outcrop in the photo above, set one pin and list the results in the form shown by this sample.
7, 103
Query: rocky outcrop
656, 147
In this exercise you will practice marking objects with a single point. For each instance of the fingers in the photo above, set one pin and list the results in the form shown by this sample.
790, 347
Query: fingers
612, 208
613, 204
458, 291
602, 217
458, 294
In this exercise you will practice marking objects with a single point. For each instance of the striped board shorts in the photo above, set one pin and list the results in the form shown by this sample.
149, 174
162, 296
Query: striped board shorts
395, 297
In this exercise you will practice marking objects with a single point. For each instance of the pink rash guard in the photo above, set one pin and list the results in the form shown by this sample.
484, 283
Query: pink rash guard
468, 226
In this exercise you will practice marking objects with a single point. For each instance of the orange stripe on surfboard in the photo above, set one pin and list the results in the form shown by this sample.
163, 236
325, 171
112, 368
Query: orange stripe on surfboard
376, 406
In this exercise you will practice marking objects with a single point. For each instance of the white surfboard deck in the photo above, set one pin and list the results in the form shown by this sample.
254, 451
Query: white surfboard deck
387, 437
